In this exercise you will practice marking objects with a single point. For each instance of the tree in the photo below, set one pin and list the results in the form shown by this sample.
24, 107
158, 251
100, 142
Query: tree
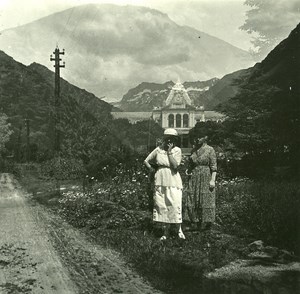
145, 133
5, 131
82, 134
214, 131
270, 22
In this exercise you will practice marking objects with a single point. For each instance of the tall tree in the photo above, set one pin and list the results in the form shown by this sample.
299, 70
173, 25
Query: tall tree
269, 22
5, 131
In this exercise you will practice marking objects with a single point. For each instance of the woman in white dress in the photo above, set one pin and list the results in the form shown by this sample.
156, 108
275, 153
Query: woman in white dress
168, 184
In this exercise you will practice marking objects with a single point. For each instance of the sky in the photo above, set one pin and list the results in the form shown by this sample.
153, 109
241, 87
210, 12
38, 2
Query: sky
219, 18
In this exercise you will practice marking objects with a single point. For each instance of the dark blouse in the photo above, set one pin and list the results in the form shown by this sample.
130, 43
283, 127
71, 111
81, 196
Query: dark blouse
204, 156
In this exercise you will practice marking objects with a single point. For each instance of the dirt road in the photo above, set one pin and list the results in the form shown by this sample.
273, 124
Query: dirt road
40, 253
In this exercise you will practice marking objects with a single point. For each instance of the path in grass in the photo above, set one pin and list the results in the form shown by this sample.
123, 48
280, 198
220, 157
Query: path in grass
39, 253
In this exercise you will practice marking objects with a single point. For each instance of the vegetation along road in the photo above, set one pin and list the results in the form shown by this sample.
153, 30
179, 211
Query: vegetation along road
40, 253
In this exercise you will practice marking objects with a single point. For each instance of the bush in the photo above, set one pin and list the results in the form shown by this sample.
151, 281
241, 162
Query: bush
63, 168
268, 210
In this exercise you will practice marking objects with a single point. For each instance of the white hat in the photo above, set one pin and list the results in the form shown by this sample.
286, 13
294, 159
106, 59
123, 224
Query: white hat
170, 132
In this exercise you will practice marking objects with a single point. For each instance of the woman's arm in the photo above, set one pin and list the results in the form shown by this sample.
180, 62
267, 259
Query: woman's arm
150, 157
149, 166
213, 168
212, 183
174, 159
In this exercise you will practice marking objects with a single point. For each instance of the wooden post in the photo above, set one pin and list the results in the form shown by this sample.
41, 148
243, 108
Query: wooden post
57, 109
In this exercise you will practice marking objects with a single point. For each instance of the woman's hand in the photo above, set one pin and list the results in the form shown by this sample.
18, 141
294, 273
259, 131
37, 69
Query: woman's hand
170, 146
212, 185
173, 163
149, 166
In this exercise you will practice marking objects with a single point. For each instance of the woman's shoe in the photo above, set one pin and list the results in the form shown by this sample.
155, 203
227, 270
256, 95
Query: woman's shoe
180, 234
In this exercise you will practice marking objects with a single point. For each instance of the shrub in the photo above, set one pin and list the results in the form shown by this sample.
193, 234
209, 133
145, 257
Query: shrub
268, 210
63, 168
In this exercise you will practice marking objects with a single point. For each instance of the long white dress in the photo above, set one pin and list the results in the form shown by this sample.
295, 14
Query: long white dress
168, 187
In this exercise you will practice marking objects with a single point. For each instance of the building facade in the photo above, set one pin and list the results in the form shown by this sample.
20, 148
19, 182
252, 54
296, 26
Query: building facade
179, 113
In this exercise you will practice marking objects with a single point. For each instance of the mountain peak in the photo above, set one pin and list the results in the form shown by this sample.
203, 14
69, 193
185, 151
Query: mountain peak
110, 48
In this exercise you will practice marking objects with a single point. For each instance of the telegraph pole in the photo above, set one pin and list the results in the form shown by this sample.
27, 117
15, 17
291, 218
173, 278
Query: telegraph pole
57, 108
57, 104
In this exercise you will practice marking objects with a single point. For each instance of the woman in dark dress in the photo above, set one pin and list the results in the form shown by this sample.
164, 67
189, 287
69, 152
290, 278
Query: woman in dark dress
200, 198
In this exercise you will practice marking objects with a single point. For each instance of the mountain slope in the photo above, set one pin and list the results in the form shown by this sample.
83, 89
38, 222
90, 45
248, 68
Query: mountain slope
110, 48
224, 89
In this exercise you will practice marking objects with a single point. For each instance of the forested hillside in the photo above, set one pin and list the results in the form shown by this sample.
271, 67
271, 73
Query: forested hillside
27, 93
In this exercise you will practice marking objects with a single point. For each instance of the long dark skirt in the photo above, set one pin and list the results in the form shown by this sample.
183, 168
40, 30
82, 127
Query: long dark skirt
199, 200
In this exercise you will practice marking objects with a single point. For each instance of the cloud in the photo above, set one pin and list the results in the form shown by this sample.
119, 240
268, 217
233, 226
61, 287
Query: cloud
217, 18
110, 49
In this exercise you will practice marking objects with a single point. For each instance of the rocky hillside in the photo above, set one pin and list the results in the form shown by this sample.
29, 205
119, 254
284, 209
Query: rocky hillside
111, 48
224, 89
208, 93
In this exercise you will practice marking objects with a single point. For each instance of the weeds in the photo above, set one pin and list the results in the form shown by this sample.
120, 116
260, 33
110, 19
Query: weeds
115, 211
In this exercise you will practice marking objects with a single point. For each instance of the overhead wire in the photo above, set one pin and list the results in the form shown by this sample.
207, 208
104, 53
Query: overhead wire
66, 25
71, 41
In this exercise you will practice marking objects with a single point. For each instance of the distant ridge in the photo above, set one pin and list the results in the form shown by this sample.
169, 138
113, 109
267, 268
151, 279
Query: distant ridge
146, 95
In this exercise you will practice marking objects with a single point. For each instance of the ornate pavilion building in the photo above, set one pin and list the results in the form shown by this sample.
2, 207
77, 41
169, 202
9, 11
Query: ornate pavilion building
179, 113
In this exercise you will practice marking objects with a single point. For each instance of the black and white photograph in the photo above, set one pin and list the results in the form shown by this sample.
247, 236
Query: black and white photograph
150, 146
